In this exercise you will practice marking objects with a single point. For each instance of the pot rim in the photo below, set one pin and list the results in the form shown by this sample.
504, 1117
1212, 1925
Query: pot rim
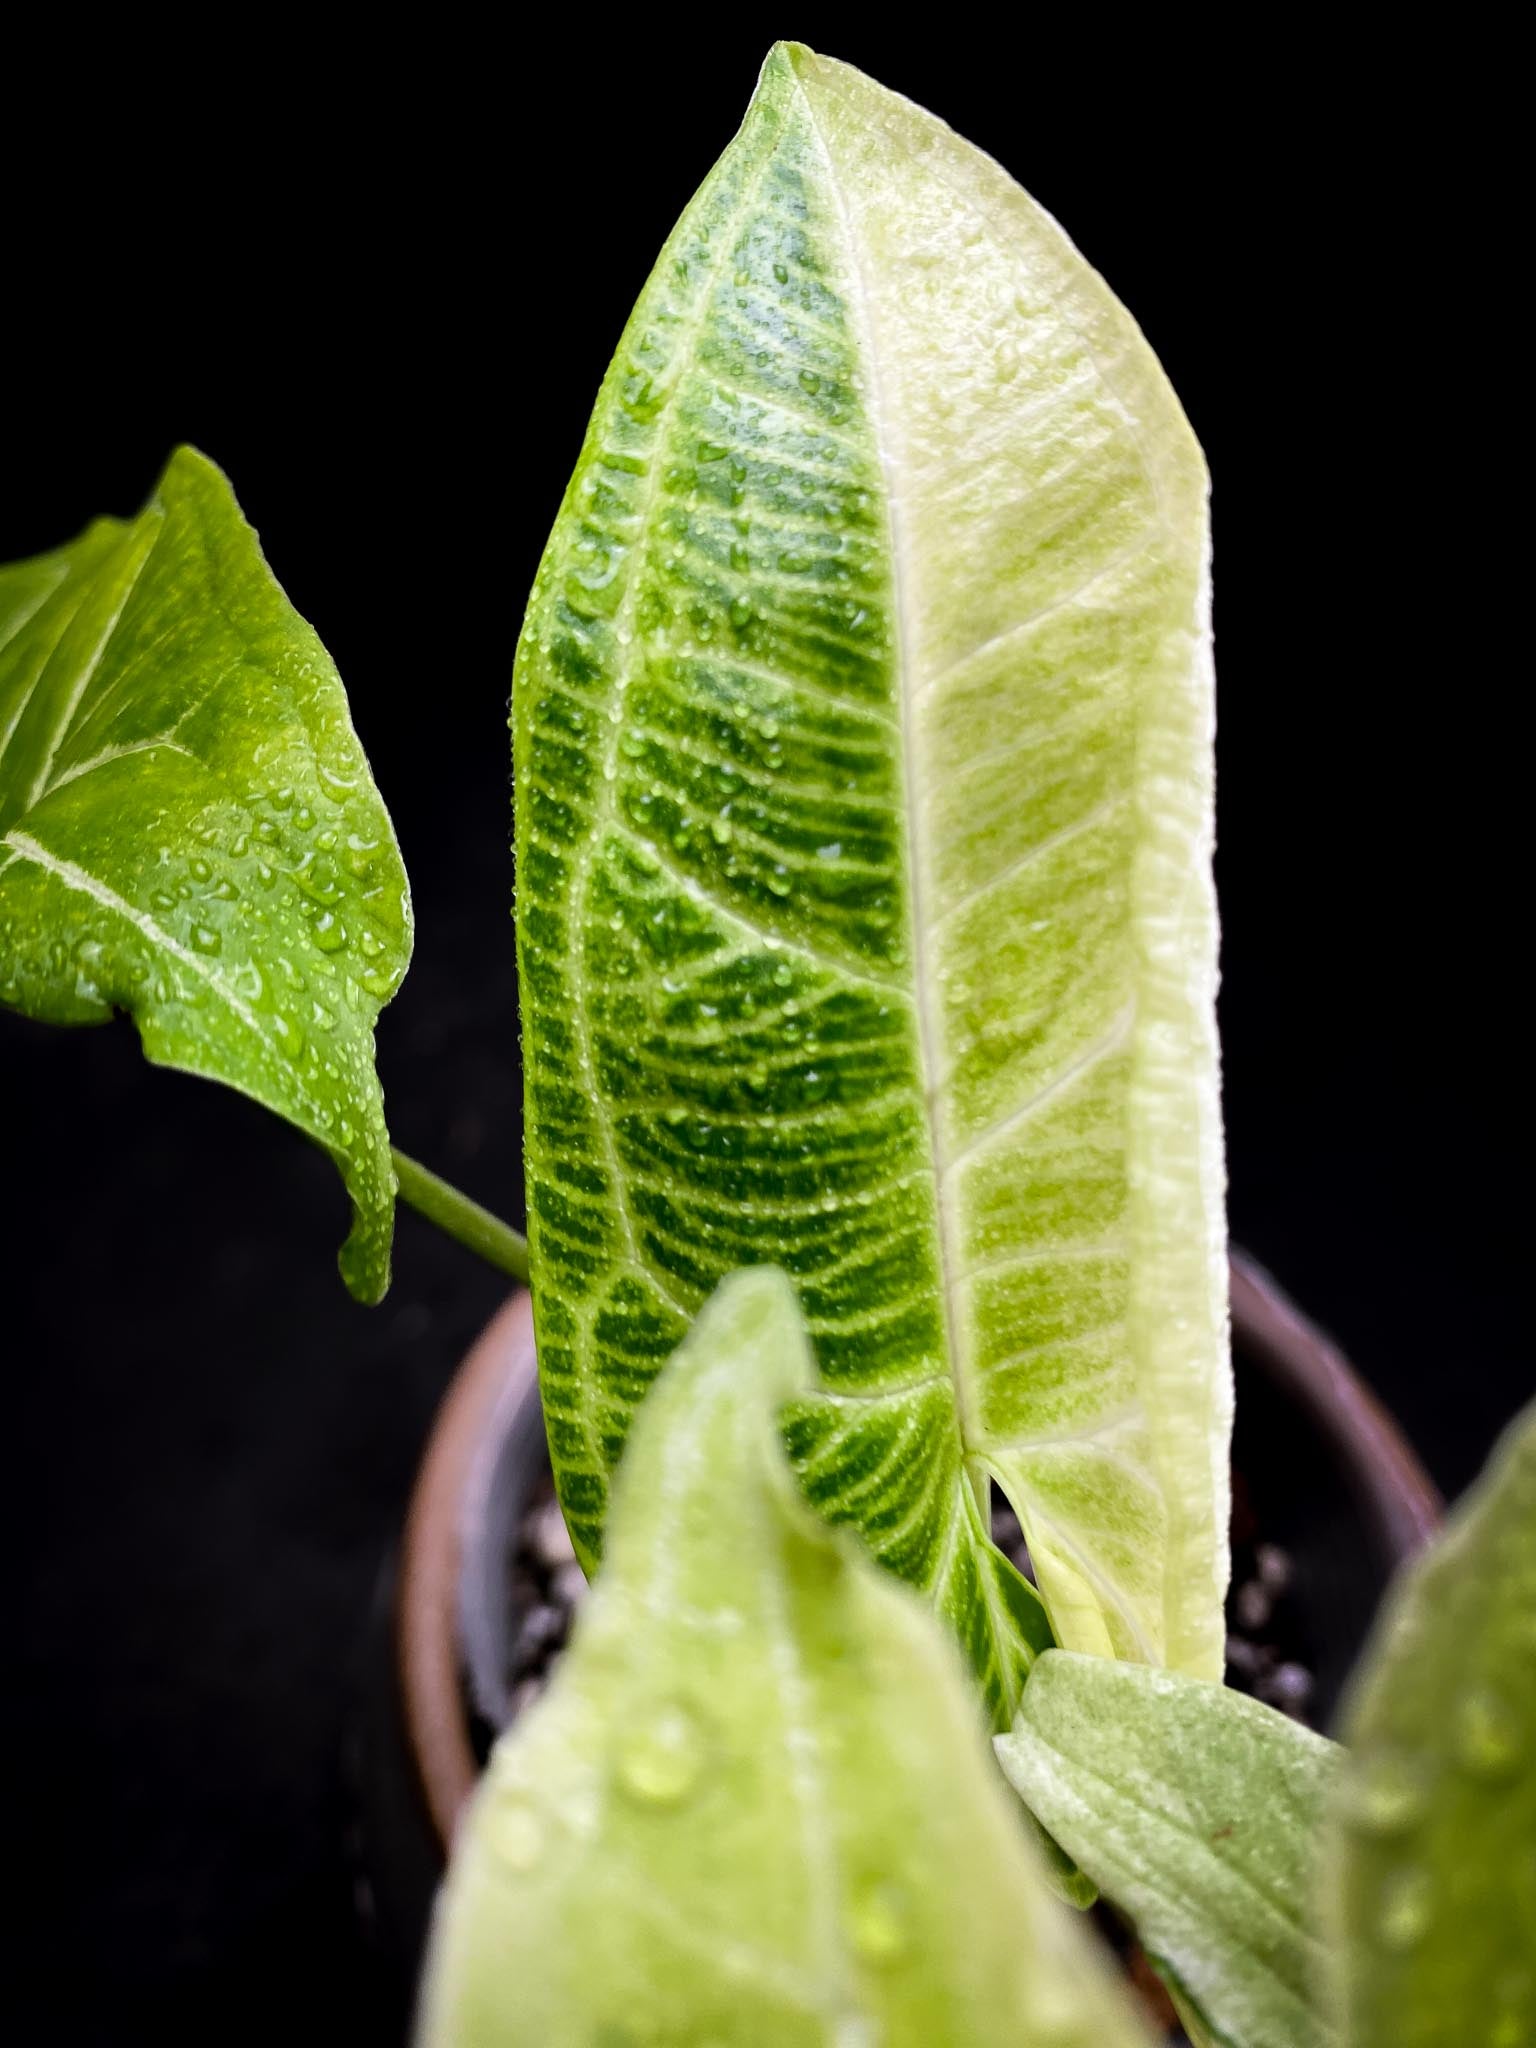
496, 1376
499, 1373
1396, 1492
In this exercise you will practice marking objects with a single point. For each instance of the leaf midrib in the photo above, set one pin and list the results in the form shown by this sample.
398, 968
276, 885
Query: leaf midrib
924, 982
22, 846
819, 1992
1123, 1028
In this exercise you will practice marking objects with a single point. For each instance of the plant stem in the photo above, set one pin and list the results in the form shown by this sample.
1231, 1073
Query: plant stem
476, 1228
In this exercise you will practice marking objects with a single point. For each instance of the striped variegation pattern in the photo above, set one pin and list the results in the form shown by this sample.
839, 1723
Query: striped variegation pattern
862, 722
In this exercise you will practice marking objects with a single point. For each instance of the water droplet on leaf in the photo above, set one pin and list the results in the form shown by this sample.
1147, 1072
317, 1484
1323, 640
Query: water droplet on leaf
516, 1835
879, 1923
661, 1757
1488, 1735
1388, 1795
1403, 1918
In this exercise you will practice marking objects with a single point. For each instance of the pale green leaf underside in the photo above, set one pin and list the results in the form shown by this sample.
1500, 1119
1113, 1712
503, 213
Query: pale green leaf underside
1433, 1864
755, 1805
863, 718
1199, 1812
189, 831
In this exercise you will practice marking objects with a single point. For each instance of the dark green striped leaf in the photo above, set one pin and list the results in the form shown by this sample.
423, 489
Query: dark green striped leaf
862, 729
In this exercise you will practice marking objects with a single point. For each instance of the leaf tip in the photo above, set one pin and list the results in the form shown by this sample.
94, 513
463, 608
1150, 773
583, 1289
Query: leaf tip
756, 1313
189, 473
365, 1271
785, 65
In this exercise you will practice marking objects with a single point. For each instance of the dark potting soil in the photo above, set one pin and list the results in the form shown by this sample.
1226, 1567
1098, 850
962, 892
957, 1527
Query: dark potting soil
546, 1587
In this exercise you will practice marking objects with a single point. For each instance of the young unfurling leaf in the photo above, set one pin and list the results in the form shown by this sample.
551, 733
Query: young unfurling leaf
755, 1806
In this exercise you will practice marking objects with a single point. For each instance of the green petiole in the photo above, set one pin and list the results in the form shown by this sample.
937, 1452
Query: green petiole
473, 1227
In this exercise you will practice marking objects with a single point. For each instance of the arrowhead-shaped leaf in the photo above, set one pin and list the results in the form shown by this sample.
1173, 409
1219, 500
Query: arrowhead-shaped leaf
1433, 1872
1200, 1813
189, 831
863, 743
755, 1805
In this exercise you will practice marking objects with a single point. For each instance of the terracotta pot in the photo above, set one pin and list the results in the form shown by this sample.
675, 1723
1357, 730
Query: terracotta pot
1340, 1489
485, 1454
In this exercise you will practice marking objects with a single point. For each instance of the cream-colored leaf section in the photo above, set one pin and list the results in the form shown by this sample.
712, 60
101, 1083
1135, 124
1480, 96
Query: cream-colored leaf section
1047, 504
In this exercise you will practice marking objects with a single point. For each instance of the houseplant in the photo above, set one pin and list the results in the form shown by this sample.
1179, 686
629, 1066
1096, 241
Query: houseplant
1332, 1502
139, 810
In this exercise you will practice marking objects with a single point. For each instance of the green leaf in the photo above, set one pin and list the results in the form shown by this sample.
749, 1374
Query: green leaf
1200, 2035
863, 763
189, 831
755, 1805
1433, 1870
1198, 1812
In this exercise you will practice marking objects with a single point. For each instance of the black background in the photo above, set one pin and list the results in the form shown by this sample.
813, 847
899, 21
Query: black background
380, 291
